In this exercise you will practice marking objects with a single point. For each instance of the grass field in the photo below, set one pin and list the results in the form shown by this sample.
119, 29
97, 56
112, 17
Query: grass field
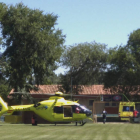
90, 131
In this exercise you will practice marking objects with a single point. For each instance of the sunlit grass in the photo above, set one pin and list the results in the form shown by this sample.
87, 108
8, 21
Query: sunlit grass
89, 131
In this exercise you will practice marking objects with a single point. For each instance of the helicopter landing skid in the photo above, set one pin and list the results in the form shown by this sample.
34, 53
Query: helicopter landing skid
82, 123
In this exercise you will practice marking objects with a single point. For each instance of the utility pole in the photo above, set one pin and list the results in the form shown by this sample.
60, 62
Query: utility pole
71, 83
71, 87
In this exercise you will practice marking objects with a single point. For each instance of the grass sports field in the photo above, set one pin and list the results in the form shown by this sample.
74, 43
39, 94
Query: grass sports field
90, 131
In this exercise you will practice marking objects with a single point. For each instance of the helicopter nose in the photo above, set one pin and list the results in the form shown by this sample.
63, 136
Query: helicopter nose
88, 113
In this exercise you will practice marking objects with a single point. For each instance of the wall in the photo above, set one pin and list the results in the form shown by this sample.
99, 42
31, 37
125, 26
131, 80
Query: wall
99, 106
85, 101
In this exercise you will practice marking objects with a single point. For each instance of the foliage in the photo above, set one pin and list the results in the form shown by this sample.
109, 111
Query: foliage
51, 79
4, 91
33, 45
122, 75
86, 63
134, 44
121, 67
134, 48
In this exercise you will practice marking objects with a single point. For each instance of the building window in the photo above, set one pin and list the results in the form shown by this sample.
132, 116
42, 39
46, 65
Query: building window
114, 104
91, 102
106, 104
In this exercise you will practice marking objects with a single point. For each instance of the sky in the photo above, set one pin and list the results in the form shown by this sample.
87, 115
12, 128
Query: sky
105, 21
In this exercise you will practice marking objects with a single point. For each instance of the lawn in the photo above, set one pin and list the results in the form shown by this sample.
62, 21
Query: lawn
90, 131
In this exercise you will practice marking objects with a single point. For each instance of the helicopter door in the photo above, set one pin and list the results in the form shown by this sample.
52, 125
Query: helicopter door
58, 112
67, 112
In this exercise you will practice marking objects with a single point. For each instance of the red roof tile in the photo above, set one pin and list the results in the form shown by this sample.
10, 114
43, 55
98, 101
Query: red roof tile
86, 90
48, 89
93, 90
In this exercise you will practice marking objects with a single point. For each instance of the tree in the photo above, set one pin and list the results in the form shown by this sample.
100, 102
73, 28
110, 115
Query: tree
52, 79
120, 65
122, 75
4, 88
33, 45
86, 63
4, 91
134, 44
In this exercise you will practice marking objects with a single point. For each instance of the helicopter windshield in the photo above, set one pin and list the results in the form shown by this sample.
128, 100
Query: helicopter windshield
80, 108
83, 107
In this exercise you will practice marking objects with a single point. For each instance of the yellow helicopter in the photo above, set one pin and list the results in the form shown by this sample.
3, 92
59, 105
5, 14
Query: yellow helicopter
56, 110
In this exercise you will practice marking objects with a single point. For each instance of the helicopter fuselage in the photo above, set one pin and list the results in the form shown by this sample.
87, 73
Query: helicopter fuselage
56, 109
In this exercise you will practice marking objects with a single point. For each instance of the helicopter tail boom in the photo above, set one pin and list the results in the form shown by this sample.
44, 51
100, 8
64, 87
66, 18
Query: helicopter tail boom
3, 107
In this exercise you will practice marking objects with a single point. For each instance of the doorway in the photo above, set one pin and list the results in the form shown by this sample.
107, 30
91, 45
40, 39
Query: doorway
67, 111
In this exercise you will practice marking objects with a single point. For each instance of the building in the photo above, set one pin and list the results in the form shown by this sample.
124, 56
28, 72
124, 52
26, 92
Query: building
94, 97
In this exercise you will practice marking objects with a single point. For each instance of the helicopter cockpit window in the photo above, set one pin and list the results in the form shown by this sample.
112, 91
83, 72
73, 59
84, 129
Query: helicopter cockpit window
128, 108
83, 107
58, 109
77, 109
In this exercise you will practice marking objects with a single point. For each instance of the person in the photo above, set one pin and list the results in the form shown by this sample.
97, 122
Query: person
104, 113
34, 120
135, 113
77, 110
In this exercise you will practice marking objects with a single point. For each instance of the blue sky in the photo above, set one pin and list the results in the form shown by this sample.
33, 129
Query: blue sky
104, 21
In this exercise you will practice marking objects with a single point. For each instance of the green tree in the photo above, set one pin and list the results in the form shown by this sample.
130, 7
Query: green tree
124, 63
33, 45
4, 88
51, 80
120, 67
122, 75
134, 44
86, 63
4, 91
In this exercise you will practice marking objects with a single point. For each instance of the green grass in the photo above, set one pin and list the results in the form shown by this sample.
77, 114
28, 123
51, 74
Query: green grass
89, 131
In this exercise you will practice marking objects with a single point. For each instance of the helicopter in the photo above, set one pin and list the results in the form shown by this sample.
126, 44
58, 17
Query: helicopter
55, 110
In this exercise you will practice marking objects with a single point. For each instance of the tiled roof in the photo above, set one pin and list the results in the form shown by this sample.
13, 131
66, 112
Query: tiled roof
94, 90
86, 90
49, 89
